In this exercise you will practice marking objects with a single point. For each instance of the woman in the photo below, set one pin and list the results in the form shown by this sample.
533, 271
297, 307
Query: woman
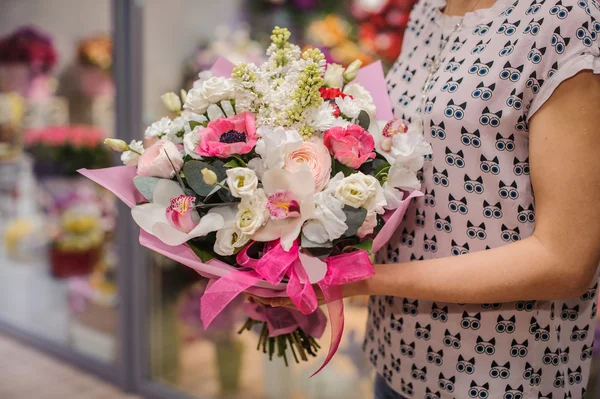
509, 94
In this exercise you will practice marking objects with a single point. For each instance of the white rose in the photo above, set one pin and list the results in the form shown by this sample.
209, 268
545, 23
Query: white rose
158, 128
252, 213
242, 182
368, 225
361, 96
275, 144
376, 201
210, 91
409, 149
329, 222
131, 156
334, 75
229, 238
353, 190
348, 107
202, 77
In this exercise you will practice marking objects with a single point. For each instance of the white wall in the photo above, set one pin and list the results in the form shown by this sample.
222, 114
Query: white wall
172, 29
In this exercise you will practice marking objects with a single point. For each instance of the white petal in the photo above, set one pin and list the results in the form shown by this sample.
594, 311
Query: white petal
169, 234
291, 233
164, 191
209, 223
147, 215
315, 267
227, 213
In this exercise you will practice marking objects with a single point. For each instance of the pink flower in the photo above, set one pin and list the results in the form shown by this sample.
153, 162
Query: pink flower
156, 161
351, 146
180, 213
282, 204
226, 136
315, 155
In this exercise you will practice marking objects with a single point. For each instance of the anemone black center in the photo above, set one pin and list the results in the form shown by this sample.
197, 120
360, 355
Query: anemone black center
232, 136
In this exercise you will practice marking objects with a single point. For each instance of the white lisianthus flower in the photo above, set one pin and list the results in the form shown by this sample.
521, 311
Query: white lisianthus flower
242, 182
229, 238
275, 144
348, 107
131, 156
329, 222
334, 75
409, 149
362, 97
353, 190
209, 92
252, 213
158, 128
376, 202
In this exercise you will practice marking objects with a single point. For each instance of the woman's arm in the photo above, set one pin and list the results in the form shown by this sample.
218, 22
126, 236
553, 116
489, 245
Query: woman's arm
561, 257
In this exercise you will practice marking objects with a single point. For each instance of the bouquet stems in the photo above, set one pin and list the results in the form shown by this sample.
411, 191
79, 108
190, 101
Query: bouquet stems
300, 344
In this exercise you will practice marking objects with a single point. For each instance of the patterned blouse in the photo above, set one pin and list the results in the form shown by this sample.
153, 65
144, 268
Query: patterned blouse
496, 71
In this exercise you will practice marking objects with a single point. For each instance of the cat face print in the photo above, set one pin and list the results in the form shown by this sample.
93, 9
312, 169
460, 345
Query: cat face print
485, 347
395, 363
560, 11
410, 308
473, 185
393, 254
519, 349
526, 306
472, 322
550, 357
429, 104
458, 205
536, 54
508, 191
423, 332
480, 46
508, 48
446, 384
492, 211
418, 373
420, 218
533, 27
489, 118
407, 349
443, 224
482, 29
429, 197
533, 83
513, 393
406, 388
515, 100
437, 131
476, 232
435, 357
492, 306
511, 73
451, 86
405, 99
505, 325
500, 371
452, 341
491, 165
570, 314
408, 75
430, 244
521, 167
534, 8
559, 380
407, 239
533, 376
558, 42
396, 324
479, 391
465, 366
542, 334
586, 35
480, 68
470, 139
575, 376
590, 294
459, 249
505, 144
457, 44
429, 394
521, 125
440, 178
526, 215
510, 235
586, 353
579, 334
455, 111
453, 65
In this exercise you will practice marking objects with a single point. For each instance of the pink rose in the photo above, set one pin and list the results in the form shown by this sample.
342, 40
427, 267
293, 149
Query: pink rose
156, 160
351, 146
315, 155
226, 136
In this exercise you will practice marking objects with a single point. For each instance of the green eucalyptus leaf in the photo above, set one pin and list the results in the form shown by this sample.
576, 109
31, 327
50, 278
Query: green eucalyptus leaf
193, 175
355, 217
363, 120
306, 243
145, 185
202, 253
366, 245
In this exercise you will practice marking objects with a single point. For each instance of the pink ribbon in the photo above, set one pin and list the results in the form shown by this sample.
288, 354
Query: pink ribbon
287, 320
273, 266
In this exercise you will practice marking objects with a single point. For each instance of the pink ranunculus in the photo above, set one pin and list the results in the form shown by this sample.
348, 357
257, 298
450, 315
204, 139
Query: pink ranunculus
351, 146
315, 155
156, 161
226, 136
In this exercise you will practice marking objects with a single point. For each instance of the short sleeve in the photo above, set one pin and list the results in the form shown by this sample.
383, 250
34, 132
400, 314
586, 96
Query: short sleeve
572, 44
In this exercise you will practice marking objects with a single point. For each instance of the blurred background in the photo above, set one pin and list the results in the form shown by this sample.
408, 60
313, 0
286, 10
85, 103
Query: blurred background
73, 281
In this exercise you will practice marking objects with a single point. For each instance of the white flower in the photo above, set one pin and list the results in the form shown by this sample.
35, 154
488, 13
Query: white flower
171, 101
229, 237
348, 107
172, 218
321, 118
132, 155
275, 144
175, 130
116, 144
329, 222
202, 77
368, 225
252, 213
376, 201
191, 141
334, 75
352, 71
399, 177
358, 190
362, 97
158, 128
209, 92
209, 176
242, 182
409, 149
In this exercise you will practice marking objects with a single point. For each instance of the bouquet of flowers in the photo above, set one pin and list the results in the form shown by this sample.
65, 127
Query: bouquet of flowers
271, 179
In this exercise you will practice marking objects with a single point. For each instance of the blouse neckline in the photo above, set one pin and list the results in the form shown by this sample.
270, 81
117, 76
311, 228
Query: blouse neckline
470, 19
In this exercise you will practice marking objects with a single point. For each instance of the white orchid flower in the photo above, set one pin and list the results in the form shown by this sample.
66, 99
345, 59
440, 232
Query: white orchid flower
290, 202
171, 216
399, 178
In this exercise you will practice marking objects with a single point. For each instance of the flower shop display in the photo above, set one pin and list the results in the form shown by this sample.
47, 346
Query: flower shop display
273, 178
61, 150
94, 59
27, 57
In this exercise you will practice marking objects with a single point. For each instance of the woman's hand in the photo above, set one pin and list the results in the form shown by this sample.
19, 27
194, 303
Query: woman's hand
347, 291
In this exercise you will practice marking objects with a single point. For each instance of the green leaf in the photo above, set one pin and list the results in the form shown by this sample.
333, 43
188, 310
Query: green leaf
203, 254
366, 245
240, 160
306, 243
355, 217
193, 175
193, 124
234, 163
337, 167
145, 185
363, 120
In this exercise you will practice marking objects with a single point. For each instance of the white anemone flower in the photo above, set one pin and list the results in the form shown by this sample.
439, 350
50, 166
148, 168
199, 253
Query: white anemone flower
171, 216
290, 202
